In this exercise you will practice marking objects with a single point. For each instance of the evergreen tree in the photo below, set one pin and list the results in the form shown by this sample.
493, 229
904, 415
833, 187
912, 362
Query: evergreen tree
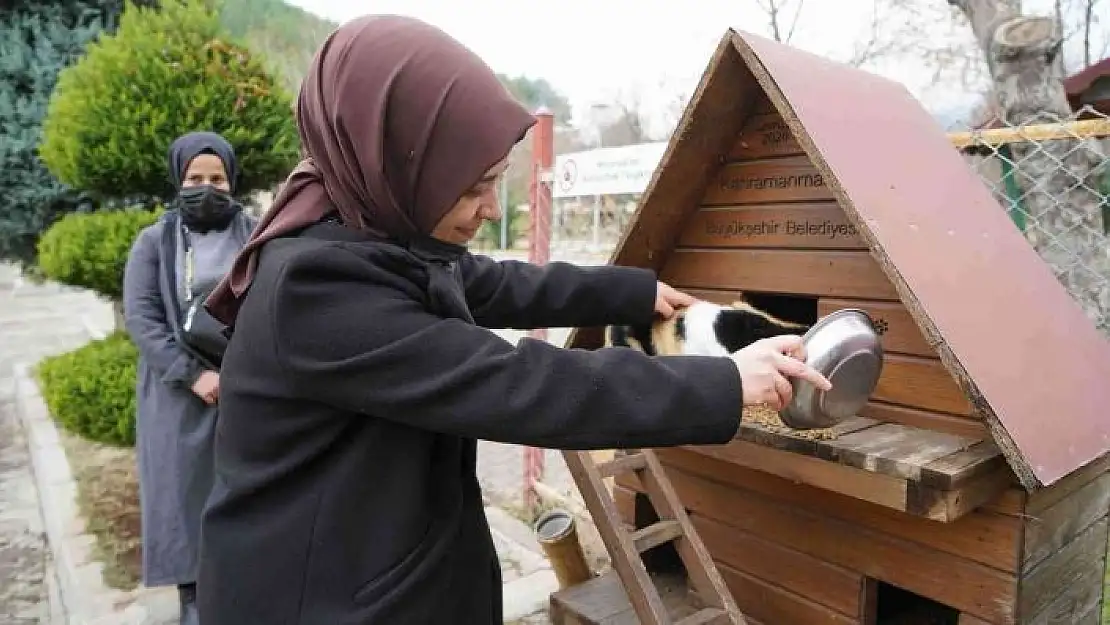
37, 40
165, 72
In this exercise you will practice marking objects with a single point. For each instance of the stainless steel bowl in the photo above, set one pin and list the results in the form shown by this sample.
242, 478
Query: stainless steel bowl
845, 347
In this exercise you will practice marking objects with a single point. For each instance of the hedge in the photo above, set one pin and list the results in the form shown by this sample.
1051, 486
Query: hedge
90, 250
91, 391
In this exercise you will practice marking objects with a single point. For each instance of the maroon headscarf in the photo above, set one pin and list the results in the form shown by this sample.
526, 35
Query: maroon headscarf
397, 120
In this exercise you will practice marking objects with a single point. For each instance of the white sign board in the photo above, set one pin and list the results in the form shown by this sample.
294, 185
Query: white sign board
606, 171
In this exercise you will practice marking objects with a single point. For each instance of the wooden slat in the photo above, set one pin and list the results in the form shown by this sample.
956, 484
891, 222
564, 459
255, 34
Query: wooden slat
1048, 531
773, 604
986, 537
896, 450
602, 600
865, 485
621, 464
920, 383
704, 616
923, 419
830, 585
975, 461
788, 179
625, 501
819, 273
954, 581
944, 503
764, 135
937, 459
812, 225
899, 331
973, 493
656, 534
1066, 582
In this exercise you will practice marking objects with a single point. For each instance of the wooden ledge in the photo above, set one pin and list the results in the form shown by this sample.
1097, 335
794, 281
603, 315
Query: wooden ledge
924, 473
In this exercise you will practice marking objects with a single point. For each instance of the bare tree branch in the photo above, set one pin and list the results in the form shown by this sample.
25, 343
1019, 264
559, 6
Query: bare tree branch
794, 23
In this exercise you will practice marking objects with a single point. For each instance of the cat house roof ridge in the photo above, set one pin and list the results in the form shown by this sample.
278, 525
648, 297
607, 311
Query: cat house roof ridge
1031, 363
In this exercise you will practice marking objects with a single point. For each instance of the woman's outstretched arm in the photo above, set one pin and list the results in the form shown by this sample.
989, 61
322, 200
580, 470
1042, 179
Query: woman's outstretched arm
514, 294
356, 337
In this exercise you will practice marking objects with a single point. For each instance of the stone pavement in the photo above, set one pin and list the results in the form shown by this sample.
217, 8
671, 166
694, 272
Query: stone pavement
40, 320
35, 321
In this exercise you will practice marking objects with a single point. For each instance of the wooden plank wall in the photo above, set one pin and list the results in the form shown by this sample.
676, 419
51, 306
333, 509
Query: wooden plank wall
769, 223
794, 554
1063, 559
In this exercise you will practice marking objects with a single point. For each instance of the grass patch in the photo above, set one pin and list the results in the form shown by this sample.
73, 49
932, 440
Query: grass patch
108, 497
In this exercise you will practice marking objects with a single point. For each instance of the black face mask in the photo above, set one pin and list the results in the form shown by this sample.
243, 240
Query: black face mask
205, 207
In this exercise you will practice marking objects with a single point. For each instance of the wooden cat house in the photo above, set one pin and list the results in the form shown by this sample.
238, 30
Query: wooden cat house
974, 487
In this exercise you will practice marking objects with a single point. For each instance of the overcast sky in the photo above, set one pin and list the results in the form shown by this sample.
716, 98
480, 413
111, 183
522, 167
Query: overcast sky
590, 49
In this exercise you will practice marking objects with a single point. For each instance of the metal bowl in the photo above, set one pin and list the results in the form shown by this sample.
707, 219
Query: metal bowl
845, 347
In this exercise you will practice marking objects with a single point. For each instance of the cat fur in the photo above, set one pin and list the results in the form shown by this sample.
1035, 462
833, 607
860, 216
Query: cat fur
702, 329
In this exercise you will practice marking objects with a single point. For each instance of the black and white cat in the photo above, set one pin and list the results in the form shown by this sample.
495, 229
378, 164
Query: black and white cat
703, 329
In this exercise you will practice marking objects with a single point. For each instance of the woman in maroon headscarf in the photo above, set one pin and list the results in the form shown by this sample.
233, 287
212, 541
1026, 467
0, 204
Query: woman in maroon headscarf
360, 372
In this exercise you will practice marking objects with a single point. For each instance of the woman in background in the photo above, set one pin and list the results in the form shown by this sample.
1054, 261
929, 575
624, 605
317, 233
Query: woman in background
172, 266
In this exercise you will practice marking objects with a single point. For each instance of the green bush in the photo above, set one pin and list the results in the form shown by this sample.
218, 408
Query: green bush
91, 390
90, 250
164, 73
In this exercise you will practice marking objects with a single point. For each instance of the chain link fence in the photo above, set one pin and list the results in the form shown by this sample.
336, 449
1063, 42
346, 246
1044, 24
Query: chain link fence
1051, 175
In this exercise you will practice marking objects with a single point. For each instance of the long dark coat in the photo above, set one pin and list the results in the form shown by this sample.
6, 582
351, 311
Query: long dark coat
355, 385
174, 428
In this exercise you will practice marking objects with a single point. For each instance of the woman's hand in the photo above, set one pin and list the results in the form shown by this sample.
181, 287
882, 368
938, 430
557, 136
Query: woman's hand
766, 365
668, 300
207, 387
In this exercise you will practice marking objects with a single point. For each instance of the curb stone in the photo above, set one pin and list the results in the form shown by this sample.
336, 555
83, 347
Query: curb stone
77, 589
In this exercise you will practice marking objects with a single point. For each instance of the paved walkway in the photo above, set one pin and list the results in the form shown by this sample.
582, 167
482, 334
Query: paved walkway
35, 321
40, 320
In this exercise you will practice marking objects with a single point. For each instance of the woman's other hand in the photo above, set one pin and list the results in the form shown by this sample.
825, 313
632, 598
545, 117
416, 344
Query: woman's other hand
766, 366
668, 300
207, 387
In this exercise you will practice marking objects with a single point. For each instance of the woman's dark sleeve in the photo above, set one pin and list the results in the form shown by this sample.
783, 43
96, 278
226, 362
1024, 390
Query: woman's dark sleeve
514, 294
145, 315
362, 344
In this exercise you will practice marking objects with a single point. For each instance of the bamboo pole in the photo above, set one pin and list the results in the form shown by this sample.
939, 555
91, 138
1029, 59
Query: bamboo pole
1084, 129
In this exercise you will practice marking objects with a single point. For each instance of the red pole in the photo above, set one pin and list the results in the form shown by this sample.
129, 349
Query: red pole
539, 252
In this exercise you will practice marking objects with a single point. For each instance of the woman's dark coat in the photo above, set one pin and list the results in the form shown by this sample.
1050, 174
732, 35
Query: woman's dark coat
355, 384
174, 428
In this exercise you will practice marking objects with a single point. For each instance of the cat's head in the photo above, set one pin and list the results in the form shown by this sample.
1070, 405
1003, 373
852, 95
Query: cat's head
703, 329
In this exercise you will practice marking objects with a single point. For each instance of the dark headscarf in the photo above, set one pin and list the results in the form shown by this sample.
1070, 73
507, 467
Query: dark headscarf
188, 146
397, 120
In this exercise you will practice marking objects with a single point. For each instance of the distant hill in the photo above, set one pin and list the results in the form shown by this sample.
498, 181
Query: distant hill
287, 36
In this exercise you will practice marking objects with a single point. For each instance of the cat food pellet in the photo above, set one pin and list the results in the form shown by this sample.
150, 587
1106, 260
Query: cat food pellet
768, 418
